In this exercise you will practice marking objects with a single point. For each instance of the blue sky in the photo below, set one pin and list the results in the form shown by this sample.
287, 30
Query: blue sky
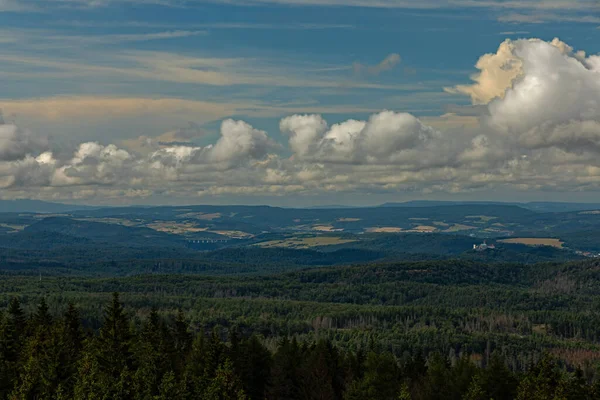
123, 72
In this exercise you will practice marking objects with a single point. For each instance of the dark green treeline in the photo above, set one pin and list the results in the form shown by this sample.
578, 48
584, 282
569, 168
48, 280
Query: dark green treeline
47, 357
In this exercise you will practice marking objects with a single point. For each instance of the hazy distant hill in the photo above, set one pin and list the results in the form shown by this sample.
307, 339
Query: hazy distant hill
38, 206
106, 233
540, 206
543, 206
438, 203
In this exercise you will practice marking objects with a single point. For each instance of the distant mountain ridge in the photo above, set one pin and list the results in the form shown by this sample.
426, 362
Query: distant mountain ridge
540, 206
38, 206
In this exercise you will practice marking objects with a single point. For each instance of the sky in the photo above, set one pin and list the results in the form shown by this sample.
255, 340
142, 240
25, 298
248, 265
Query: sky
299, 102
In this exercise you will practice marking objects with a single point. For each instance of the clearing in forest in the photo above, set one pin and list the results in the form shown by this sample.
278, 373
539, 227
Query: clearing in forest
234, 234
176, 228
535, 242
423, 229
384, 229
459, 227
15, 228
305, 242
326, 228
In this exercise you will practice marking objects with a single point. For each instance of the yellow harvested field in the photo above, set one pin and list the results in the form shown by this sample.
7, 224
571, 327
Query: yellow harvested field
175, 227
305, 242
234, 234
14, 227
384, 229
594, 212
348, 219
535, 242
423, 229
44, 216
325, 228
440, 223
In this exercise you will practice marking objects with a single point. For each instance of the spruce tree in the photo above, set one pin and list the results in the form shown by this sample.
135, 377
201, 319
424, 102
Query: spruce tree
404, 392
40, 358
42, 318
182, 340
285, 372
107, 366
153, 355
254, 367
475, 390
543, 382
114, 341
225, 385
71, 346
12, 338
498, 380
381, 381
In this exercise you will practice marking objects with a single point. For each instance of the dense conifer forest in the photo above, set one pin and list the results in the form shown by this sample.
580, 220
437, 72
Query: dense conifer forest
352, 315
54, 356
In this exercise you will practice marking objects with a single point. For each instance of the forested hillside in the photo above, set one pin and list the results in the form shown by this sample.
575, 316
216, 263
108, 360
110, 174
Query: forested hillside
53, 356
443, 306
248, 302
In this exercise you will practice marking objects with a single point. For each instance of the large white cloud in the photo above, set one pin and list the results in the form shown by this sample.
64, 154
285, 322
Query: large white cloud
386, 138
539, 129
304, 131
540, 97
557, 87
239, 142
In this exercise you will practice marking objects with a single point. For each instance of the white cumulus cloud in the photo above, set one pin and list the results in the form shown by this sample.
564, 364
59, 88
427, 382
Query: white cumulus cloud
537, 128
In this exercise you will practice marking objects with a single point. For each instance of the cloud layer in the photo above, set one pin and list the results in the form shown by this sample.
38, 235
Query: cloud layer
538, 129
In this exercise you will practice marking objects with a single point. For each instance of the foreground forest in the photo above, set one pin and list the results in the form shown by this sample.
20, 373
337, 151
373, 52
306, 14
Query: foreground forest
52, 356
369, 316
454, 308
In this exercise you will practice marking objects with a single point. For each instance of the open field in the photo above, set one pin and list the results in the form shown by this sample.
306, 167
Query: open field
348, 219
423, 229
305, 242
326, 228
13, 227
234, 234
535, 242
175, 227
384, 229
